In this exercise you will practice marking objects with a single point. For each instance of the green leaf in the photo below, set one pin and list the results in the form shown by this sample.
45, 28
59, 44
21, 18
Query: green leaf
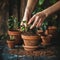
22, 28
18, 24
12, 37
34, 12
52, 1
25, 21
41, 2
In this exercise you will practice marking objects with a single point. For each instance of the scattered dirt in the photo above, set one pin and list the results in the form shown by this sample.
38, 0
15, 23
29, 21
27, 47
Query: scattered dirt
49, 51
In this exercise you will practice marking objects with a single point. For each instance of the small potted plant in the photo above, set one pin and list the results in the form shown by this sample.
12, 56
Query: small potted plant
13, 29
40, 31
11, 42
46, 37
43, 29
46, 40
52, 29
30, 38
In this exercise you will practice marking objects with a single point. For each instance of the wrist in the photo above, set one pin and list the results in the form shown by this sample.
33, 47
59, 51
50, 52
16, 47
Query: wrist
27, 14
46, 13
28, 11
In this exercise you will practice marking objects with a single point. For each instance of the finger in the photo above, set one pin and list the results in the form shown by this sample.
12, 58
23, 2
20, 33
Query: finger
31, 20
35, 22
39, 22
21, 23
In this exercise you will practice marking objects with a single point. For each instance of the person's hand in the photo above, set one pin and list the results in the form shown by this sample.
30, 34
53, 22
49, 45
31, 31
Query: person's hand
26, 17
37, 19
22, 22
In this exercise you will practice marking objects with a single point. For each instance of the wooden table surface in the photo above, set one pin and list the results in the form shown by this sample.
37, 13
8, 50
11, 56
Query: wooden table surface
45, 51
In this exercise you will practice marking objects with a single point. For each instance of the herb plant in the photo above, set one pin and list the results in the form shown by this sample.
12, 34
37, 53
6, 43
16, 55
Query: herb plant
12, 23
12, 37
26, 28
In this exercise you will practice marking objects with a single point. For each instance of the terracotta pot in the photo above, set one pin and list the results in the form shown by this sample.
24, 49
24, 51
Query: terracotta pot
11, 43
46, 40
40, 32
31, 48
46, 32
17, 36
30, 40
13, 32
52, 29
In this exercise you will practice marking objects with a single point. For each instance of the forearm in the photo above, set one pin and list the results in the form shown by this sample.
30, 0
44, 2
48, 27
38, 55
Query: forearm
30, 6
52, 9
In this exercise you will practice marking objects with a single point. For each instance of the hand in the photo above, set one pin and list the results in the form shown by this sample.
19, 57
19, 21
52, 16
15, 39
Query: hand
22, 22
37, 19
26, 17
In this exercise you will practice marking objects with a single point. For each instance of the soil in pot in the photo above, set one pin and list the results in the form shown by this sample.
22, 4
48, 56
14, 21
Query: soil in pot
17, 36
11, 43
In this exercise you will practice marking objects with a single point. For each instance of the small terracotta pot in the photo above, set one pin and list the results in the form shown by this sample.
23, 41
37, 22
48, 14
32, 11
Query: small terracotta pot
31, 48
46, 40
40, 32
46, 32
52, 29
13, 32
17, 36
11, 43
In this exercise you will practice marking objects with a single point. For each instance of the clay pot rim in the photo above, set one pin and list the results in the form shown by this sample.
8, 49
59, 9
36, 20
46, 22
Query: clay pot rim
44, 36
13, 32
39, 30
10, 41
30, 37
45, 44
31, 46
52, 27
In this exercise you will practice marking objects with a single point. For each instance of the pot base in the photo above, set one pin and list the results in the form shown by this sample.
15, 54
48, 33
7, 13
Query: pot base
45, 44
31, 48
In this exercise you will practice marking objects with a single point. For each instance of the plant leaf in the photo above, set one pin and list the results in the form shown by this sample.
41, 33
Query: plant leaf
41, 2
53, 1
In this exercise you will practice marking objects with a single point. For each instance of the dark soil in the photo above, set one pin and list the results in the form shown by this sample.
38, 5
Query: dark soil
14, 30
29, 34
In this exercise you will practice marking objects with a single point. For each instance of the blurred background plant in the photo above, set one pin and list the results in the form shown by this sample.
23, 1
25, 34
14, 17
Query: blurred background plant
4, 36
13, 23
